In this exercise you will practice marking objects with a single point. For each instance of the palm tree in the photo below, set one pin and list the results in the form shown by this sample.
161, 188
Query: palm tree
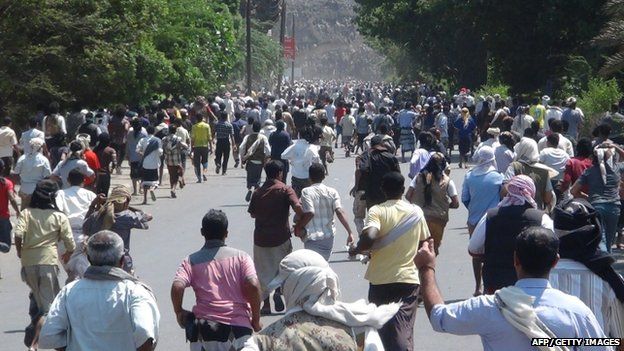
612, 36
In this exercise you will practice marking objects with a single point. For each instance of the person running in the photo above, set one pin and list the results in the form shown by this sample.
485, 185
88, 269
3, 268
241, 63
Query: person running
8, 144
238, 124
174, 149
107, 307
431, 189
150, 149
31, 167
224, 134
517, 314
38, 230
135, 134
118, 127
481, 192
255, 149
7, 197
270, 206
362, 127
279, 142
108, 162
115, 214
406, 120
327, 139
201, 142
75, 160
494, 235
465, 126
226, 287
393, 232
347, 126
301, 155
316, 226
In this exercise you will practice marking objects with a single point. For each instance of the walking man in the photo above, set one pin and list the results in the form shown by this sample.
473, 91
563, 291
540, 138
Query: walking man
320, 203
270, 207
393, 232
227, 291
254, 150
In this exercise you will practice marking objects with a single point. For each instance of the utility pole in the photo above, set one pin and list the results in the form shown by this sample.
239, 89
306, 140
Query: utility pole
292, 72
280, 74
248, 58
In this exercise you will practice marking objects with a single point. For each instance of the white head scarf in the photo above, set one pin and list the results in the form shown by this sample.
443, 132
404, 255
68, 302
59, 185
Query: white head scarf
520, 190
486, 162
527, 152
35, 145
309, 284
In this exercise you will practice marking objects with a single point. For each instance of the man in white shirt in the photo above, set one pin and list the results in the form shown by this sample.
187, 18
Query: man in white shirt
555, 158
150, 149
30, 134
75, 202
330, 112
8, 144
522, 121
319, 203
552, 111
556, 127
108, 309
301, 155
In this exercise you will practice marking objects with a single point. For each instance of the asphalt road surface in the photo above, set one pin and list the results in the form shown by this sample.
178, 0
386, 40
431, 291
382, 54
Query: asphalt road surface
174, 233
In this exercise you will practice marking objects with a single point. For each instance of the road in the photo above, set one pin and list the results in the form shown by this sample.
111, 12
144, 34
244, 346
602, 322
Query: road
174, 233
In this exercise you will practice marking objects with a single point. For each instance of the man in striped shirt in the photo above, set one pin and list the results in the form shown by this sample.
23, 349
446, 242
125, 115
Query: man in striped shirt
224, 133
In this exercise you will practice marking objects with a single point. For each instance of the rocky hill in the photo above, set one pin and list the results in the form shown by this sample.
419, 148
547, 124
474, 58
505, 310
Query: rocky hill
328, 43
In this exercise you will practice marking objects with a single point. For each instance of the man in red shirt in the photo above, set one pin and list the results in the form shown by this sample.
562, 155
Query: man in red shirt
577, 165
92, 160
341, 111
7, 195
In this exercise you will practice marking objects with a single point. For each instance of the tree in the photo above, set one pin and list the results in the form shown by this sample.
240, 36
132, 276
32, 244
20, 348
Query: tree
612, 37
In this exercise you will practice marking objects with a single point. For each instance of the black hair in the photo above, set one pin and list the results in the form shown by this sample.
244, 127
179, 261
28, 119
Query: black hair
556, 126
120, 111
256, 126
433, 171
507, 139
136, 126
529, 133
383, 129
392, 184
537, 249
54, 107
427, 140
584, 148
273, 168
44, 196
214, 225
150, 129
223, 116
535, 126
75, 177
604, 130
553, 139
317, 172
103, 142
6, 121
323, 121
32, 122
160, 116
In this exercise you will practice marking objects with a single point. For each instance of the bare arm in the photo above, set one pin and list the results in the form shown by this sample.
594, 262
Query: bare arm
454, 202
345, 223
18, 246
576, 191
177, 296
365, 242
13, 202
251, 291
302, 222
425, 262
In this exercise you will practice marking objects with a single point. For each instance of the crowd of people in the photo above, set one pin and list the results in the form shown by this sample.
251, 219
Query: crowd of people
543, 197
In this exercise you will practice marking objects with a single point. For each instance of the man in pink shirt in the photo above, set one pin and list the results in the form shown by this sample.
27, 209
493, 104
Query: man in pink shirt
226, 288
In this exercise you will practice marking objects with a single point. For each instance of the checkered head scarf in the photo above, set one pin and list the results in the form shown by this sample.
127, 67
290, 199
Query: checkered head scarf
520, 189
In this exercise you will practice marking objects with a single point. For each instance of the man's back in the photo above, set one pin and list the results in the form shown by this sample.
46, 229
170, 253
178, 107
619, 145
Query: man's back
217, 273
566, 316
323, 202
200, 134
101, 314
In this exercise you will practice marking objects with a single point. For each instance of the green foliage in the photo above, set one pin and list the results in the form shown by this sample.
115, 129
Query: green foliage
266, 60
525, 43
612, 36
597, 99
491, 90
88, 53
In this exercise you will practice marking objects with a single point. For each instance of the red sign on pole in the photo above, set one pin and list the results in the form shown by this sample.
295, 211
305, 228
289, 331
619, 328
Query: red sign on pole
290, 48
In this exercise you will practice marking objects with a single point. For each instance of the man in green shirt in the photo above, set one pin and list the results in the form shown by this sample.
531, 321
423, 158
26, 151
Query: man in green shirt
201, 141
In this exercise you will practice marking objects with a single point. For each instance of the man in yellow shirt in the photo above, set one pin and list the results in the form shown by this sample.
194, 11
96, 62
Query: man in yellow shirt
538, 111
201, 141
393, 232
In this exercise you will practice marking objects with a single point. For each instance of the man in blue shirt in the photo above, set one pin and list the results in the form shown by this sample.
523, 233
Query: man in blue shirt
544, 312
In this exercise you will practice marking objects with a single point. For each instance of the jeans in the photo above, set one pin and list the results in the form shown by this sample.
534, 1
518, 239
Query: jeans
200, 159
609, 216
